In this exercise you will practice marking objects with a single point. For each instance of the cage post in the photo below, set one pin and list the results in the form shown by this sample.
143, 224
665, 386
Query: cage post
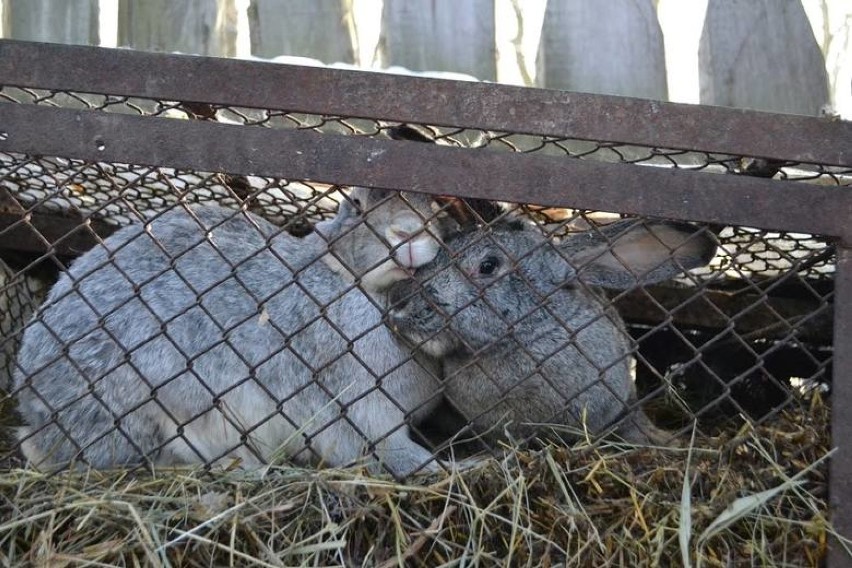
840, 471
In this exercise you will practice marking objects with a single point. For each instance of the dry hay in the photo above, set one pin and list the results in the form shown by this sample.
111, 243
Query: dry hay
757, 497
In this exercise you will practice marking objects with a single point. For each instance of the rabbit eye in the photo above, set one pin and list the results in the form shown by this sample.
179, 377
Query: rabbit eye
357, 204
489, 265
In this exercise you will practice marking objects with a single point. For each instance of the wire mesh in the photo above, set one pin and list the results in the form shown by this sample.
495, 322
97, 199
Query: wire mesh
741, 339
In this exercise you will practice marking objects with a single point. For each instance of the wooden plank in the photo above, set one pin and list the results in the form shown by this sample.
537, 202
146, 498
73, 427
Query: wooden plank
761, 55
70, 21
318, 29
613, 48
189, 26
440, 35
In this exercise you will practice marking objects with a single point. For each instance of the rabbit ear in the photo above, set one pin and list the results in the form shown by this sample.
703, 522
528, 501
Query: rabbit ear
628, 253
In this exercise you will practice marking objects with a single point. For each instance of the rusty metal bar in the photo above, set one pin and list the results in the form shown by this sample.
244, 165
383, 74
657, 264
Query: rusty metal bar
840, 472
431, 101
544, 180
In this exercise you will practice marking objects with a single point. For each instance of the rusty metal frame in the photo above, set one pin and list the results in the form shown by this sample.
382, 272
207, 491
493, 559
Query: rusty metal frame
432, 101
545, 180
840, 469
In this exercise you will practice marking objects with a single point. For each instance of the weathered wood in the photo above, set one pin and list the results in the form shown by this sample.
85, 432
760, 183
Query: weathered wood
440, 35
70, 21
761, 54
225, 33
613, 47
199, 27
316, 29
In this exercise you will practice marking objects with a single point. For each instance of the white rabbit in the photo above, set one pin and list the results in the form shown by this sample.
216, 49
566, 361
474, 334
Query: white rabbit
523, 339
209, 334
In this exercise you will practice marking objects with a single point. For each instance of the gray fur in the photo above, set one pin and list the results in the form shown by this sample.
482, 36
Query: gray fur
209, 335
534, 343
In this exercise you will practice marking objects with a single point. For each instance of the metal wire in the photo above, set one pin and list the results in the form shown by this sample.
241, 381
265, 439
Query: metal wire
744, 338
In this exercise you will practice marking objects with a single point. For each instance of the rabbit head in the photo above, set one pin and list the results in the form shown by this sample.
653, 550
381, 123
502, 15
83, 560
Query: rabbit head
487, 285
380, 236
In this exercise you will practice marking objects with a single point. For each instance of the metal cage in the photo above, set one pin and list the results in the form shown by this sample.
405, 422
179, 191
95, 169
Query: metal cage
94, 141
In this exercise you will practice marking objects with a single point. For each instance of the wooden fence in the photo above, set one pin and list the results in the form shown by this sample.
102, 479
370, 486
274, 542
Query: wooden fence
759, 54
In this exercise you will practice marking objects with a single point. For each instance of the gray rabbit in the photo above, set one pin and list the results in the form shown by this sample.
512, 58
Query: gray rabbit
208, 334
525, 338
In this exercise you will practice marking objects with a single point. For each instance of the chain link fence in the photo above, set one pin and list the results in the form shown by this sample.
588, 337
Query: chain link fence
744, 335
